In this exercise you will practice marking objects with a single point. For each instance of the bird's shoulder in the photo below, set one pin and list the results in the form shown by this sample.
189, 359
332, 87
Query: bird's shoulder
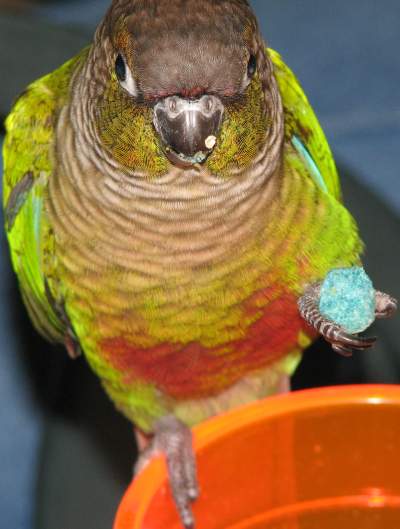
30, 125
303, 132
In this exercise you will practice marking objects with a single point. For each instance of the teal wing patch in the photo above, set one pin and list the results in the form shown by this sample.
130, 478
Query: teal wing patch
303, 131
308, 160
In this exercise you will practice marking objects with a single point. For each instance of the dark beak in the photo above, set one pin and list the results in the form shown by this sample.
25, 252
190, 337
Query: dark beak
188, 128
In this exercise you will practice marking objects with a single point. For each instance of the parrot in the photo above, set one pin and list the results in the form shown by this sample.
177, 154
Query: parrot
172, 208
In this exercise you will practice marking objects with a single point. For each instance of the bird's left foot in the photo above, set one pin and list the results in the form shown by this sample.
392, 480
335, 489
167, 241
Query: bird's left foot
174, 439
342, 341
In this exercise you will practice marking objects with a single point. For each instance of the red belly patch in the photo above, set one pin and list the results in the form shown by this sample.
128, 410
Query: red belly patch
192, 370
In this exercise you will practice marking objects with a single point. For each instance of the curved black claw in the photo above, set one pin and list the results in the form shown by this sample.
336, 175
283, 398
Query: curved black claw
386, 305
340, 349
342, 341
174, 440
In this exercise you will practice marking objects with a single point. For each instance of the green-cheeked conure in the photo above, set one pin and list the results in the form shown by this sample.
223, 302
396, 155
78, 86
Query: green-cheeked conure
172, 208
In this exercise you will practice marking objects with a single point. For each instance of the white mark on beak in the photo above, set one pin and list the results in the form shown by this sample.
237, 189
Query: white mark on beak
210, 142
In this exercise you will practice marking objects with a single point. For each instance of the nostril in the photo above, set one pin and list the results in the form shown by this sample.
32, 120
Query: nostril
209, 104
172, 105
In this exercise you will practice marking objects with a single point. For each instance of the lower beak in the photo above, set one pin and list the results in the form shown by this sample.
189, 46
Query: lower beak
188, 129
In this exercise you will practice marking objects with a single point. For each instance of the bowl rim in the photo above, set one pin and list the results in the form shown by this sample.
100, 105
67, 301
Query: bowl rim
142, 489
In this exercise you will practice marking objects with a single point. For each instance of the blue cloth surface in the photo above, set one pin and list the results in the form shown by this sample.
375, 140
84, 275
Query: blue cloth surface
20, 416
346, 56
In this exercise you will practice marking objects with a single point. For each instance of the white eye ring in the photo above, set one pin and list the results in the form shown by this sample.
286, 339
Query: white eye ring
125, 76
130, 84
251, 71
246, 82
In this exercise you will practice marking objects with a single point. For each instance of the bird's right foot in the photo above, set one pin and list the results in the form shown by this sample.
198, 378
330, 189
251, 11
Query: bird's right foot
342, 341
174, 440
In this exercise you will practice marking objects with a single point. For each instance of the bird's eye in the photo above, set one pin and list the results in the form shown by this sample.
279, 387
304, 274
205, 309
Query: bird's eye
120, 68
252, 66
125, 76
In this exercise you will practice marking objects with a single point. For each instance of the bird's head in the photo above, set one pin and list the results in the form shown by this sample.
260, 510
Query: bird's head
186, 82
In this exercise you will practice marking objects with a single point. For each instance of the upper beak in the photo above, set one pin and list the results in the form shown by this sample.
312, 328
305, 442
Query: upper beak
187, 128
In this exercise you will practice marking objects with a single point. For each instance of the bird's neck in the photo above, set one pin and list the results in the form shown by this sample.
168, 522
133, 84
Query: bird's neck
188, 214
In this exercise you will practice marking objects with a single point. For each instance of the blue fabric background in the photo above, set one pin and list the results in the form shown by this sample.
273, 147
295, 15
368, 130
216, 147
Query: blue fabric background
20, 416
346, 55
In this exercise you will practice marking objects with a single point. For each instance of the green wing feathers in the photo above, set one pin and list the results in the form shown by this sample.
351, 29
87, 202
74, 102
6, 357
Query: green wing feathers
27, 155
302, 128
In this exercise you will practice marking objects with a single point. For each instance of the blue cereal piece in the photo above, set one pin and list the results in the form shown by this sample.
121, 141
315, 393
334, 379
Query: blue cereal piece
348, 298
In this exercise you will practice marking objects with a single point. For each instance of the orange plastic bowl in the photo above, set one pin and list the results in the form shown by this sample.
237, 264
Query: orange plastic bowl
319, 459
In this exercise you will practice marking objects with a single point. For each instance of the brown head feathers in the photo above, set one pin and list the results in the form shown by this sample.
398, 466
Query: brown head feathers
186, 47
